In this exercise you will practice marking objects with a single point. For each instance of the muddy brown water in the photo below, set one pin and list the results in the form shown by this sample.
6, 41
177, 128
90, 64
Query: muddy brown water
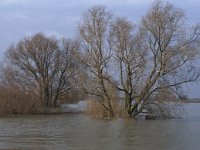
80, 132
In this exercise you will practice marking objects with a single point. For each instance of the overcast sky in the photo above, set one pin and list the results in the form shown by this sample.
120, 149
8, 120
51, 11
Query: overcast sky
20, 18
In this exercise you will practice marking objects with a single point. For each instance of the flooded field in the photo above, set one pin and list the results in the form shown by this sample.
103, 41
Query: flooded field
80, 132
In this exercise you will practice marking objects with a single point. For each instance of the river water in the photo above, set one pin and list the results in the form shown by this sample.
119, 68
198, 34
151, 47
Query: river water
80, 132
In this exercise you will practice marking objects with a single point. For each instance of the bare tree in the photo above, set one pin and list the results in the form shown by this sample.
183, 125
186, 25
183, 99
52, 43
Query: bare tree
43, 65
129, 59
93, 31
159, 55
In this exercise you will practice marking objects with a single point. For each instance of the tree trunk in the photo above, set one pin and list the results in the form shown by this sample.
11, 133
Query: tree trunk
55, 103
128, 101
46, 98
112, 114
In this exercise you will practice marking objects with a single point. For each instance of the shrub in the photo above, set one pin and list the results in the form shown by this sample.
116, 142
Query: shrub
15, 101
96, 110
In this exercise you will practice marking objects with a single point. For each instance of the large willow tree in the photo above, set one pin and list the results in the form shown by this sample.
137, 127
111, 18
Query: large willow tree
151, 59
44, 66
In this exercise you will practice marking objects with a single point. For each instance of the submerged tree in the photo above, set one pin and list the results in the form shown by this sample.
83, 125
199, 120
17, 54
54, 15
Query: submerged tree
160, 56
93, 32
154, 58
43, 66
129, 58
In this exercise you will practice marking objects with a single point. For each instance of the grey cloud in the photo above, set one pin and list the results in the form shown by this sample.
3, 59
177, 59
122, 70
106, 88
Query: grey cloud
61, 16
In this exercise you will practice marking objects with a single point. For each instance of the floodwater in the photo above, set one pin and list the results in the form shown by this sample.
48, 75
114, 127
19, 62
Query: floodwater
80, 132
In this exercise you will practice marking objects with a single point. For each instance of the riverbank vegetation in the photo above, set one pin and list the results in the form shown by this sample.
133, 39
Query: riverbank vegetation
124, 67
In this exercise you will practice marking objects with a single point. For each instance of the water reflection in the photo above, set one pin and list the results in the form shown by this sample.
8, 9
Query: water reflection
79, 132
